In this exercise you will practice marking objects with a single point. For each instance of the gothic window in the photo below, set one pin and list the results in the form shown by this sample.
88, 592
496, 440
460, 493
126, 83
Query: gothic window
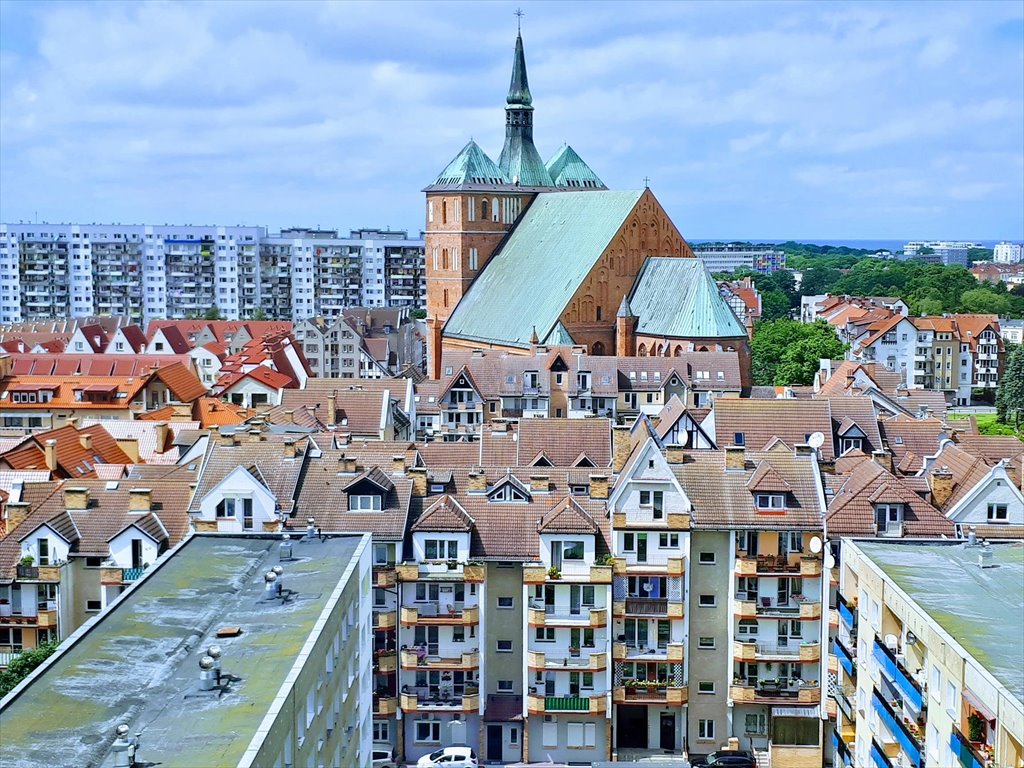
641, 350
483, 209
444, 211
494, 209
597, 349
446, 298
598, 314
679, 351
444, 258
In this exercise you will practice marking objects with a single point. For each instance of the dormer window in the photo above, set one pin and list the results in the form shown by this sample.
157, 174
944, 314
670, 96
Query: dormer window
850, 444
583, 380
998, 513
889, 519
655, 500
365, 503
770, 501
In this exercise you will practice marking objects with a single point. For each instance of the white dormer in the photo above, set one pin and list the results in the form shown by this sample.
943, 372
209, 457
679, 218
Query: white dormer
46, 546
647, 490
239, 502
134, 548
995, 501
430, 546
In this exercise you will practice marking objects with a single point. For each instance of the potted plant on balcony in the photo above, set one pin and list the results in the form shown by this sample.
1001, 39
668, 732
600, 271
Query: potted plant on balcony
574, 650
975, 728
605, 559
453, 564
27, 561
554, 573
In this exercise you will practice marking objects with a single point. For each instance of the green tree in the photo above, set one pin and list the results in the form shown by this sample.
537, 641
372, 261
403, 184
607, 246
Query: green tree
23, 664
924, 250
212, 313
258, 314
984, 300
1010, 394
786, 352
418, 314
819, 280
774, 305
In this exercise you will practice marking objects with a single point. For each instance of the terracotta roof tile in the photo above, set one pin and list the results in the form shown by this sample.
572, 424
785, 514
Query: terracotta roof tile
794, 421
851, 511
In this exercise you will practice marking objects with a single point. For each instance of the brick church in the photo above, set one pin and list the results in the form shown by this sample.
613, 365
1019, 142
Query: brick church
523, 252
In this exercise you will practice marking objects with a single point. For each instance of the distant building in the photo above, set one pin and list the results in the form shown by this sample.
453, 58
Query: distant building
1012, 331
181, 640
151, 272
728, 258
1008, 253
939, 252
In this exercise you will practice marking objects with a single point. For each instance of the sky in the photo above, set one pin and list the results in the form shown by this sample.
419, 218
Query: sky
765, 120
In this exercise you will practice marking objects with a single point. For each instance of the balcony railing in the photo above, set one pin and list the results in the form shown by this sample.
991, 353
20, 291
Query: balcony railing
901, 678
847, 612
908, 742
649, 606
845, 658
965, 752
768, 691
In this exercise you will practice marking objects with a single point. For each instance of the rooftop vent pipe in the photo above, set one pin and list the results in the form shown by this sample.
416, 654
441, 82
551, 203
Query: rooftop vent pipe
284, 549
985, 556
271, 589
207, 674
310, 528
214, 652
124, 748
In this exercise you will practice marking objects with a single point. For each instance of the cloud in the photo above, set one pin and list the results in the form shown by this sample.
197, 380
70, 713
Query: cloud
339, 113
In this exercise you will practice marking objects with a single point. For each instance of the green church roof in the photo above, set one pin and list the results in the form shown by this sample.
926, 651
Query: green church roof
471, 166
559, 336
567, 169
678, 297
519, 86
531, 280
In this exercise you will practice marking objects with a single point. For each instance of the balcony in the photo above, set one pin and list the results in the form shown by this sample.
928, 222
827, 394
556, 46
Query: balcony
911, 743
38, 572
432, 614
796, 650
771, 692
966, 754
384, 620
421, 701
384, 577
581, 661
901, 679
846, 660
571, 573
847, 612
547, 616
47, 618
538, 705
768, 608
384, 705
644, 519
668, 695
806, 566
386, 662
413, 659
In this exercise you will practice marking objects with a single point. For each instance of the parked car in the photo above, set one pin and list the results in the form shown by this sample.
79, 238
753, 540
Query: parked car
383, 755
449, 757
731, 758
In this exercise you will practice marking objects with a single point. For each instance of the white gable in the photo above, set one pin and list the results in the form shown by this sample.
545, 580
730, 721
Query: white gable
995, 488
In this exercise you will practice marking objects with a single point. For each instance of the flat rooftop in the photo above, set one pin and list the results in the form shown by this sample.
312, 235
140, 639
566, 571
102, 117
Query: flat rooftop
139, 664
981, 608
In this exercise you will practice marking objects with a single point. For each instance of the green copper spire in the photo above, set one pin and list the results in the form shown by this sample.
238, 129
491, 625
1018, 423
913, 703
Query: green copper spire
519, 88
519, 157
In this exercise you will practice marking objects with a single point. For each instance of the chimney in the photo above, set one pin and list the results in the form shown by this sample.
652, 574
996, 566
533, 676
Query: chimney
289, 416
76, 498
71, 421
253, 436
341, 439
140, 500
224, 437
804, 449
162, 433
181, 411
419, 481
332, 409
883, 458
130, 445
735, 458
540, 484
85, 440
16, 513
51, 455
622, 446
675, 453
289, 449
941, 482
599, 486
477, 481
347, 463
398, 464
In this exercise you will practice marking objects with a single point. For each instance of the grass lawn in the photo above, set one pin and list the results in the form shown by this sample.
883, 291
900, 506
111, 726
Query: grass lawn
988, 425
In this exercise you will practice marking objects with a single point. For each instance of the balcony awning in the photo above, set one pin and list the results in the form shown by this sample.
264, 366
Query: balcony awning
814, 711
975, 701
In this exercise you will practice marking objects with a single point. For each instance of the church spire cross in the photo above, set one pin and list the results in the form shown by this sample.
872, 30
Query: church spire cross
647, 182
519, 13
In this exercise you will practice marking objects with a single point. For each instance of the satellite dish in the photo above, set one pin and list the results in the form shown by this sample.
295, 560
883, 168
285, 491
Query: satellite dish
816, 440
815, 544
830, 561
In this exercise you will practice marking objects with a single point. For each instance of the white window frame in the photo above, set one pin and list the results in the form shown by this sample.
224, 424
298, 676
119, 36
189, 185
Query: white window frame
705, 730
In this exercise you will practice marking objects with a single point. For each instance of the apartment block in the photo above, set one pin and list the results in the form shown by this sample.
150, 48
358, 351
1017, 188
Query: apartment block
150, 272
938, 252
201, 631
728, 258
1008, 253
925, 682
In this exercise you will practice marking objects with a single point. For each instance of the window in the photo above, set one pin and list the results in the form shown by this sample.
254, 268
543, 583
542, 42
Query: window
572, 550
629, 542
428, 731
739, 438
505, 602
504, 646
458, 634
504, 686
544, 634
706, 558
998, 513
706, 730
440, 549
889, 519
706, 642
44, 551
756, 724
668, 540
936, 686
771, 501
708, 601
93, 605
364, 503
706, 686
747, 627
380, 730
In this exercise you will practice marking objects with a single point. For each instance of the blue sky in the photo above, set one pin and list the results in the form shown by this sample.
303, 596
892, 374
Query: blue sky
803, 120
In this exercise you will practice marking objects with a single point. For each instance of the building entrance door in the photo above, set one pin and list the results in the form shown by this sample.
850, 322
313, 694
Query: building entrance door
668, 732
494, 743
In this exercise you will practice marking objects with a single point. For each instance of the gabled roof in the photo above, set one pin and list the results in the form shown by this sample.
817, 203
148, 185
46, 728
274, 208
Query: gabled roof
471, 166
567, 169
542, 263
509, 479
567, 517
184, 385
765, 478
559, 336
679, 298
62, 524
445, 514
373, 475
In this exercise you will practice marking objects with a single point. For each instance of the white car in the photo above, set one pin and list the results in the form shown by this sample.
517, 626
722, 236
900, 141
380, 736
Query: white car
449, 757
383, 755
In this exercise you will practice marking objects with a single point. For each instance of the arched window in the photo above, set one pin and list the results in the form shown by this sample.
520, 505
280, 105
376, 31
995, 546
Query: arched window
444, 258
484, 205
598, 314
679, 351
444, 211
597, 349
641, 350
494, 209
661, 351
